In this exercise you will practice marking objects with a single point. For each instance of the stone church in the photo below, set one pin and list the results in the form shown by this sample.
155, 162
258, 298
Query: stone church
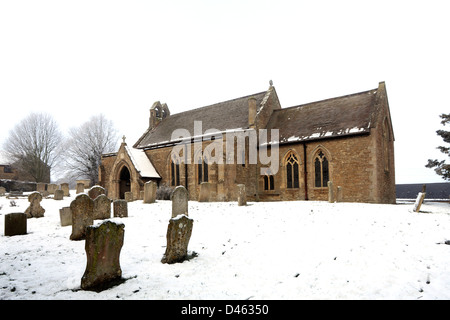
347, 140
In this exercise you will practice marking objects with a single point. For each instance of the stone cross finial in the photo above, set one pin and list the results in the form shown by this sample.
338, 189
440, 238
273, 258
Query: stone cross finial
123, 139
271, 82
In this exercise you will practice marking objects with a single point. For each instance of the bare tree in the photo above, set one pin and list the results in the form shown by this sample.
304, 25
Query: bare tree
85, 146
32, 145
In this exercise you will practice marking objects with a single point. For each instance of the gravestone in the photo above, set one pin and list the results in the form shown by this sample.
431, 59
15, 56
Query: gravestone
206, 189
339, 194
59, 194
15, 224
40, 187
80, 187
330, 192
178, 235
2, 191
419, 201
179, 199
120, 208
65, 188
95, 191
242, 196
102, 207
129, 196
141, 195
65, 216
103, 245
35, 210
51, 188
150, 192
82, 209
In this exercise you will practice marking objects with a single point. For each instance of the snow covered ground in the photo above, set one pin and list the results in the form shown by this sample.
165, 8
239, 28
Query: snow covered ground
266, 250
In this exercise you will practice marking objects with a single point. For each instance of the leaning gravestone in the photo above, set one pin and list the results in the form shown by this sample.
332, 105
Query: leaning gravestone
242, 196
15, 224
59, 194
65, 215
35, 210
120, 208
419, 201
150, 192
82, 216
102, 207
179, 199
95, 191
178, 234
103, 245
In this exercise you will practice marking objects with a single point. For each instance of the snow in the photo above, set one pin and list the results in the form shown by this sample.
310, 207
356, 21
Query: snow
142, 163
265, 250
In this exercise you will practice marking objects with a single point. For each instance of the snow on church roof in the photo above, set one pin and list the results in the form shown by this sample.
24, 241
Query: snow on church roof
142, 163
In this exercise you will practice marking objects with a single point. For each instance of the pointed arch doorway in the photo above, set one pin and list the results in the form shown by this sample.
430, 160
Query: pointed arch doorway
124, 182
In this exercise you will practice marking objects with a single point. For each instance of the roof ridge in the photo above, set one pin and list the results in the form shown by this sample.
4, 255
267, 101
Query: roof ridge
211, 105
328, 99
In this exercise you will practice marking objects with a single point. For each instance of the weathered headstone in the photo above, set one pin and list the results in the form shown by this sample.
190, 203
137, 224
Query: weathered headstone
80, 187
242, 196
15, 224
59, 194
150, 192
205, 192
65, 216
95, 191
129, 196
51, 188
35, 210
141, 195
103, 245
419, 201
102, 207
330, 192
179, 199
82, 216
65, 188
339, 194
178, 235
40, 187
120, 208
2, 191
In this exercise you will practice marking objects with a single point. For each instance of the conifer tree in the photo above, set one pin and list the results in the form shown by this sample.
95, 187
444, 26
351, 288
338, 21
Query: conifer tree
441, 167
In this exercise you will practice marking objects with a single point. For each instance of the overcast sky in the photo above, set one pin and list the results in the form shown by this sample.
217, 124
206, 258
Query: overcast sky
75, 59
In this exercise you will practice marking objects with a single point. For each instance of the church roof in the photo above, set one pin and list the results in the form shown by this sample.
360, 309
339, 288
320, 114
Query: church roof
223, 116
336, 117
142, 163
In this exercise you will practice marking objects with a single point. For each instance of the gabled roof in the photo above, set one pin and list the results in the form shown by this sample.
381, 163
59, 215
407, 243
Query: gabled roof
341, 116
227, 115
142, 163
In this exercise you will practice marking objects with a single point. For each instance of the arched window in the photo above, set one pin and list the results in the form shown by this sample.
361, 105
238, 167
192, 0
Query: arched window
202, 170
174, 172
292, 167
321, 171
269, 183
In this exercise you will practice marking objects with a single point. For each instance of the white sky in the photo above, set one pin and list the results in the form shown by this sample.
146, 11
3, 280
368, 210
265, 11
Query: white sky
74, 59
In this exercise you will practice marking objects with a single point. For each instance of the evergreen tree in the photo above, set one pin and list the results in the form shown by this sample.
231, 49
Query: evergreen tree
442, 168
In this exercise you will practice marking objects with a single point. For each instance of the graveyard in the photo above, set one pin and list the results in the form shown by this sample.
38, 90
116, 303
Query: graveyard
236, 251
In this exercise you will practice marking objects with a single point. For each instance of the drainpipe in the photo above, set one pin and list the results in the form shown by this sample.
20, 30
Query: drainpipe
305, 172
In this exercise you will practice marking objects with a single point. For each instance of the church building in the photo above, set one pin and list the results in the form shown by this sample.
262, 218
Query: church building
277, 153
